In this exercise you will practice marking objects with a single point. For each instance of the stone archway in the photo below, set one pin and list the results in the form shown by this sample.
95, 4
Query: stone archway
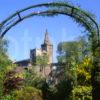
80, 16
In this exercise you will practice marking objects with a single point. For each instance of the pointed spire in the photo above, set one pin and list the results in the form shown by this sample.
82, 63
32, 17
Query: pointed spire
46, 39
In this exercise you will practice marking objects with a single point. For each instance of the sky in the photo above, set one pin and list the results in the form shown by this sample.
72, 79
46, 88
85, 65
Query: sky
29, 34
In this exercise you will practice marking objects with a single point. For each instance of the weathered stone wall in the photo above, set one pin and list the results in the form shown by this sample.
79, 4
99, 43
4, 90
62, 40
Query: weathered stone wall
43, 71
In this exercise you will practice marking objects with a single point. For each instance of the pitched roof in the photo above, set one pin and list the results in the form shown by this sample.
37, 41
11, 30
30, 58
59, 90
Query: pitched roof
23, 63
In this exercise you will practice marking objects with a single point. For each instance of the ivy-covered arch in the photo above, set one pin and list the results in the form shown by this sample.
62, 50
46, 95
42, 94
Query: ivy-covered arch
50, 9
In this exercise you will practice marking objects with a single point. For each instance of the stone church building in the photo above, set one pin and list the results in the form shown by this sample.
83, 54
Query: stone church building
45, 49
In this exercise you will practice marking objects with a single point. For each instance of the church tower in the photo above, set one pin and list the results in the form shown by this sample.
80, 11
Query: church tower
47, 48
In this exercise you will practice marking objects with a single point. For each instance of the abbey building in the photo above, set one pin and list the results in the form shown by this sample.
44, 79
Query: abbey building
45, 49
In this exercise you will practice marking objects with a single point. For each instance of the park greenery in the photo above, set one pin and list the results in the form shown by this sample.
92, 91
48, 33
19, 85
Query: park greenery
81, 56
28, 85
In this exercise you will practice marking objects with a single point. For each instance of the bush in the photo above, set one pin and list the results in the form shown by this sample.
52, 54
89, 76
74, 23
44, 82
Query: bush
82, 93
27, 93
13, 80
7, 97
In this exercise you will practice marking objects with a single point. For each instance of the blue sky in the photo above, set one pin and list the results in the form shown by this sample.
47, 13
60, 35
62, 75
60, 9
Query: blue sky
30, 33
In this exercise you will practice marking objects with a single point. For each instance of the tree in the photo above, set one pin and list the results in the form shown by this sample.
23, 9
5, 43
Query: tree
5, 63
73, 50
66, 50
77, 55
4, 59
32, 79
42, 61
83, 90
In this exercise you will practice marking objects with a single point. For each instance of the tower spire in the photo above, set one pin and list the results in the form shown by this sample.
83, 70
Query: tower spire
46, 39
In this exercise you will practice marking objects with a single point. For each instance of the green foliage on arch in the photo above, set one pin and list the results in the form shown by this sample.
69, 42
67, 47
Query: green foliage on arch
83, 18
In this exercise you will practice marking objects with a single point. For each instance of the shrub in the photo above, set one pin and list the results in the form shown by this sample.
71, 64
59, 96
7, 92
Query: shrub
27, 93
13, 80
82, 93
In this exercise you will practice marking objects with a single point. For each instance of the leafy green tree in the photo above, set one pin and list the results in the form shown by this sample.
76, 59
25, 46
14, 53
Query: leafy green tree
64, 89
83, 90
4, 59
66, 50
77, 55
42, 61
70, 53
5, 63
73, 50
32, 79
